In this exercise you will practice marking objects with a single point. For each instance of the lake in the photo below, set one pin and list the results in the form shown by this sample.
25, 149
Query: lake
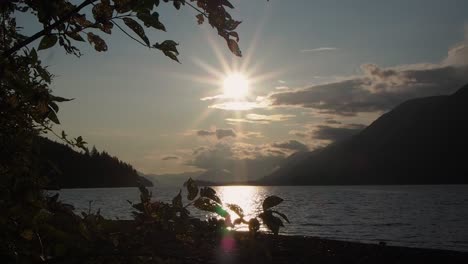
413, 216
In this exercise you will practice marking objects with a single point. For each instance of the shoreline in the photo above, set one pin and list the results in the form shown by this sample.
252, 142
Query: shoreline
239, 247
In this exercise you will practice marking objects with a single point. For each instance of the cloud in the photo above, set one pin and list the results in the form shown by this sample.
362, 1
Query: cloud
332, 122
291, 145
324, 134
377, 90
283, 87
330, 133
380, 89
166, 158
205, 133
260, 119
458, 55
243, 161
319, 49
222, 133
219, 133
239, 106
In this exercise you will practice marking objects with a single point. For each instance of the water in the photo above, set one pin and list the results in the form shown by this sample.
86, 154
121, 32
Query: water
413, 216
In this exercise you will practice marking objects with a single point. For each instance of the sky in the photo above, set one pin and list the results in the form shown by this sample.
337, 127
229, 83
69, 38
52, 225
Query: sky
318, 71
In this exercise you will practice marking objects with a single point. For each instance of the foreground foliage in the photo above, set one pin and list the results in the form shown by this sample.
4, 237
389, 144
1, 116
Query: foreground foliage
34, 228
52, 232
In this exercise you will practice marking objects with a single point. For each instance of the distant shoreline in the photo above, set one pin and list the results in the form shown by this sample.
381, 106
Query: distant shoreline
262, 185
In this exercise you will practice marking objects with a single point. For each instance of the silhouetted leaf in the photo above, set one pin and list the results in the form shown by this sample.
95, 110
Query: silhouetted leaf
54, 106
75, 36
47, 41
137, 28
151, 20
282, 215
177, 201
33, 54
254, 226
98, 42
238, 221
272, 222
236, 209
234, 47
176, 4
232, 24
200, 19
53, 117
209, 205
59, 99
102, 11
226, 3
235, 35
271, 201
27, 234
192, 189
210, 193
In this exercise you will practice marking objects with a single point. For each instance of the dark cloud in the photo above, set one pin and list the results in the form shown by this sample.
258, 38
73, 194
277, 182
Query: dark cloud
222, 133
322, 135
243, 161
219, 133
165, 158
324, 132
291, 145
381, 89
205, 133
332, 122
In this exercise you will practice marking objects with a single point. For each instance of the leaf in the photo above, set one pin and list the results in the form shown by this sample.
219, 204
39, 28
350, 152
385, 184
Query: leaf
177, 4
282, 215
53, 117
200, 19
272, 222
137, 28
151, 20
27, 234
47, 41
232, 24
33, 54
54, 106
238, 221
236, 209
192, 189
271, 201
98, 42
254, 225
75, 36
102, 12
209, 205
235, 35
210, 193
60, 99
177, 201
234, 47
226, 3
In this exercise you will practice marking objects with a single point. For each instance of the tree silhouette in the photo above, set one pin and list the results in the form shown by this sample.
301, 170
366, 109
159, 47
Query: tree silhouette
27, 105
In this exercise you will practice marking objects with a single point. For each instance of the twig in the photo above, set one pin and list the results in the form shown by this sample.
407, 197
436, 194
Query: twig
47, 29
130, 36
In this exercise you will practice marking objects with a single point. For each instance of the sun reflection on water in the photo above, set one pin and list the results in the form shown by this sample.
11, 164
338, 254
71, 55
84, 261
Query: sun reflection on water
249, 198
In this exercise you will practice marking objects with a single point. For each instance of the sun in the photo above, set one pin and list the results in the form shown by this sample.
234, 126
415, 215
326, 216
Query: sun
235, 86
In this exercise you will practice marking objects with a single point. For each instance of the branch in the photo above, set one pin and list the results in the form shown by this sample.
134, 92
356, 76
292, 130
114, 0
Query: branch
47, 29
197, 9
130, 36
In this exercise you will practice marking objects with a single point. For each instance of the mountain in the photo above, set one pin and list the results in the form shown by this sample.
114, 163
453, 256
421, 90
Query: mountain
173, 180
421, 141
67, 168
